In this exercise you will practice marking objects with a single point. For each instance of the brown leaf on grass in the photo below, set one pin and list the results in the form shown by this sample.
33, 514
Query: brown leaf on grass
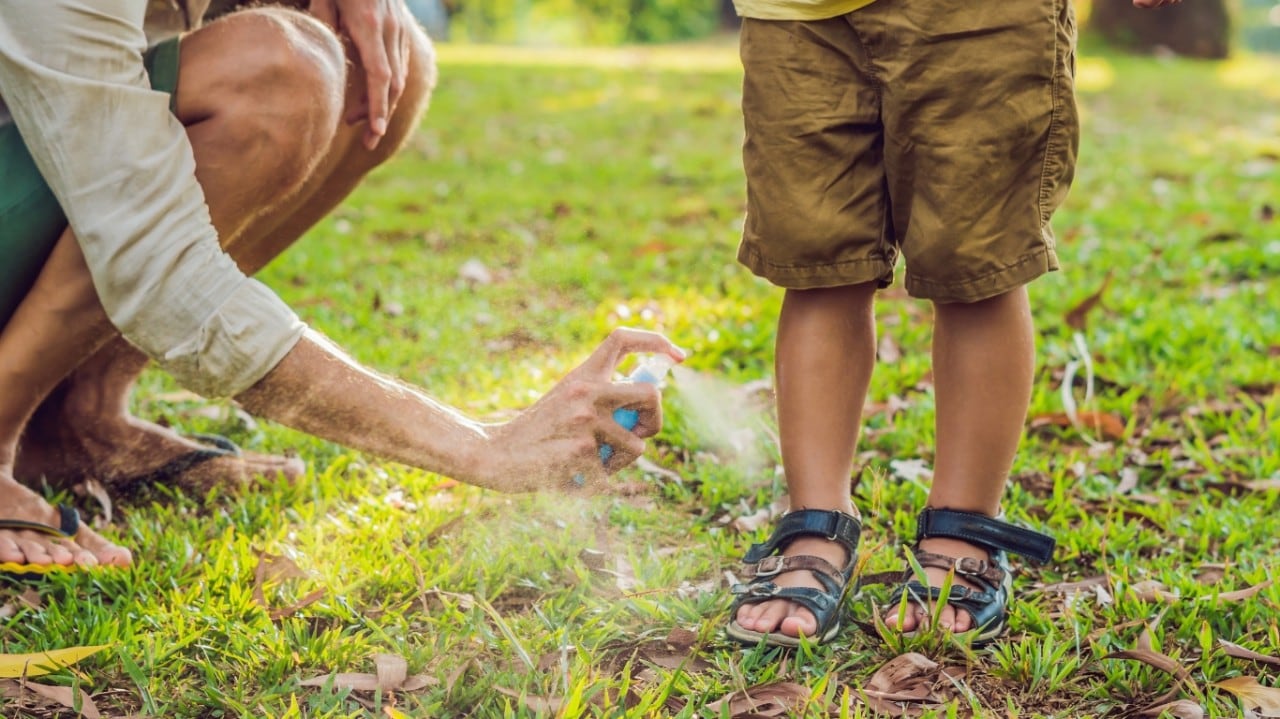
1076, 586
66, 697
1144, 652
392, 675
272, 569
1106, 425
776, 699
1262, 485
887, 351
678, 651
31, 598
624, 575
94, 488
1242, 594
909, 685
1149, 590
1078, 316
1235, 650
648, 466
1254, 696
292, 609
1180, 709
536, 704
1210, 573
761, 517
1128, 480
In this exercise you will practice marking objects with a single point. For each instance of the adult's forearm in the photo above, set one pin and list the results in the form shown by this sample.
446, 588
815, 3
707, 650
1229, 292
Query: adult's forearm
319, 389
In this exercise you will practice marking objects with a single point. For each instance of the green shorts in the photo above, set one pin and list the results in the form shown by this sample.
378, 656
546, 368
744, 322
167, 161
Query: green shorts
31, 221
941, 130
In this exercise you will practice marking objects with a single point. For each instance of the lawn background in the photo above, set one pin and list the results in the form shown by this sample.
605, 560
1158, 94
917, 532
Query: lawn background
554, 194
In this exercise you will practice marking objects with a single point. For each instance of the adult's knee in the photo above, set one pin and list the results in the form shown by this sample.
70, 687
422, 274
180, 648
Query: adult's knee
275, 78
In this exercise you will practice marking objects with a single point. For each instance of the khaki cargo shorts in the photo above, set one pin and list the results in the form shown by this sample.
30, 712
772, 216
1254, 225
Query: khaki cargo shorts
942, 129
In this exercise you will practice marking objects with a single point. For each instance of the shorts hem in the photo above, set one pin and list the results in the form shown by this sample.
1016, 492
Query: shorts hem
808, 277
992, 284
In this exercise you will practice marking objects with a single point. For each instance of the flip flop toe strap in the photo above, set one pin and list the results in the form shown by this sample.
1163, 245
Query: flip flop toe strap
68, 524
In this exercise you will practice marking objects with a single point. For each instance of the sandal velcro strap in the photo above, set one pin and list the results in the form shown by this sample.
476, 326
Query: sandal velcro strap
970, 568
984, 531
776, 564
835, 526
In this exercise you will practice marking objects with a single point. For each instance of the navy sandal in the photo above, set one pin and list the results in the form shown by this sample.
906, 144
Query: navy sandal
68, 526
763, 562
987, 606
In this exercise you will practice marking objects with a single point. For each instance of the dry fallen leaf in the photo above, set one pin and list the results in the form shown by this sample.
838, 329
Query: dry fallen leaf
1108, 426
474, 272
909, 685
1145, 653
94, 488
1180, 709
536, 704
678, 651
276, 568
1254, 696
38, 663
66, 697
1150, 590
1078, 585
392, 675
1078, 316
1239, 652
762, 517
1243, 593
887, 351
1210, 573
763, 700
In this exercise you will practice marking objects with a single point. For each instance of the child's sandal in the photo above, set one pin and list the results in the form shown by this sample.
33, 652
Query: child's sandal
988, 606
764, 561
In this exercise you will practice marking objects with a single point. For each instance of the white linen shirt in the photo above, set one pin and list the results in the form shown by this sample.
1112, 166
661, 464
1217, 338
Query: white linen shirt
121, 166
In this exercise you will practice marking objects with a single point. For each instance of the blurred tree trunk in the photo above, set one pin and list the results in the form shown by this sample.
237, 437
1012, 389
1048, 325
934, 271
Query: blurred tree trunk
729, 19
1198, 28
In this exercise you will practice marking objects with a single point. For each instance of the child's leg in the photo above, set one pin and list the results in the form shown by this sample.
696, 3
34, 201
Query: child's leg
983, 366
825, 354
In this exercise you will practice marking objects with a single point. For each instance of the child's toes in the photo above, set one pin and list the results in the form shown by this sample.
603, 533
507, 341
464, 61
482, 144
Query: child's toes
800, 623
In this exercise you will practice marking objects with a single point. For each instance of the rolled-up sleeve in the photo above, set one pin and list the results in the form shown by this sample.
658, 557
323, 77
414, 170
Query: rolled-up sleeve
122, 168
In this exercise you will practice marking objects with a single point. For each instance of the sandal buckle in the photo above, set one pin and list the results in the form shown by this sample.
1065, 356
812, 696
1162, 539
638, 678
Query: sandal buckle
970, 567
769, 566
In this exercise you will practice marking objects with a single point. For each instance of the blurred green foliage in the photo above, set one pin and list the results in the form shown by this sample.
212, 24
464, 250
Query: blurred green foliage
592, 22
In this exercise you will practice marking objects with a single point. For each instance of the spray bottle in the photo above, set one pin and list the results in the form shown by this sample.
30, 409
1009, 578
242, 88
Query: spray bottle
653, 370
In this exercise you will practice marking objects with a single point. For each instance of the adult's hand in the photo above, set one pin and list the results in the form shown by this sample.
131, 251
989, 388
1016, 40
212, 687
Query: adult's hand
379, 32
557, 439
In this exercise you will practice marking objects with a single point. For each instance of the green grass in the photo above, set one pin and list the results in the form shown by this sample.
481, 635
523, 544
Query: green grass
603, 187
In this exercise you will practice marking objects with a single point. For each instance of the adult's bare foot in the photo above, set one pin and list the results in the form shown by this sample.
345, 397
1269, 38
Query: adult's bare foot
86, 549
122, 451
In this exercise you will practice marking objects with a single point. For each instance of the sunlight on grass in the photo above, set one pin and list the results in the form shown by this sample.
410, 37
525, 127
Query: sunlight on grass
1094, 74
692, 58
1252, 72
616, 197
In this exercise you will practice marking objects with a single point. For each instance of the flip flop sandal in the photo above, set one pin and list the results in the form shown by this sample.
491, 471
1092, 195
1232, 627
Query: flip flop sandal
218, 446
763, 562
988, 605
68, 526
